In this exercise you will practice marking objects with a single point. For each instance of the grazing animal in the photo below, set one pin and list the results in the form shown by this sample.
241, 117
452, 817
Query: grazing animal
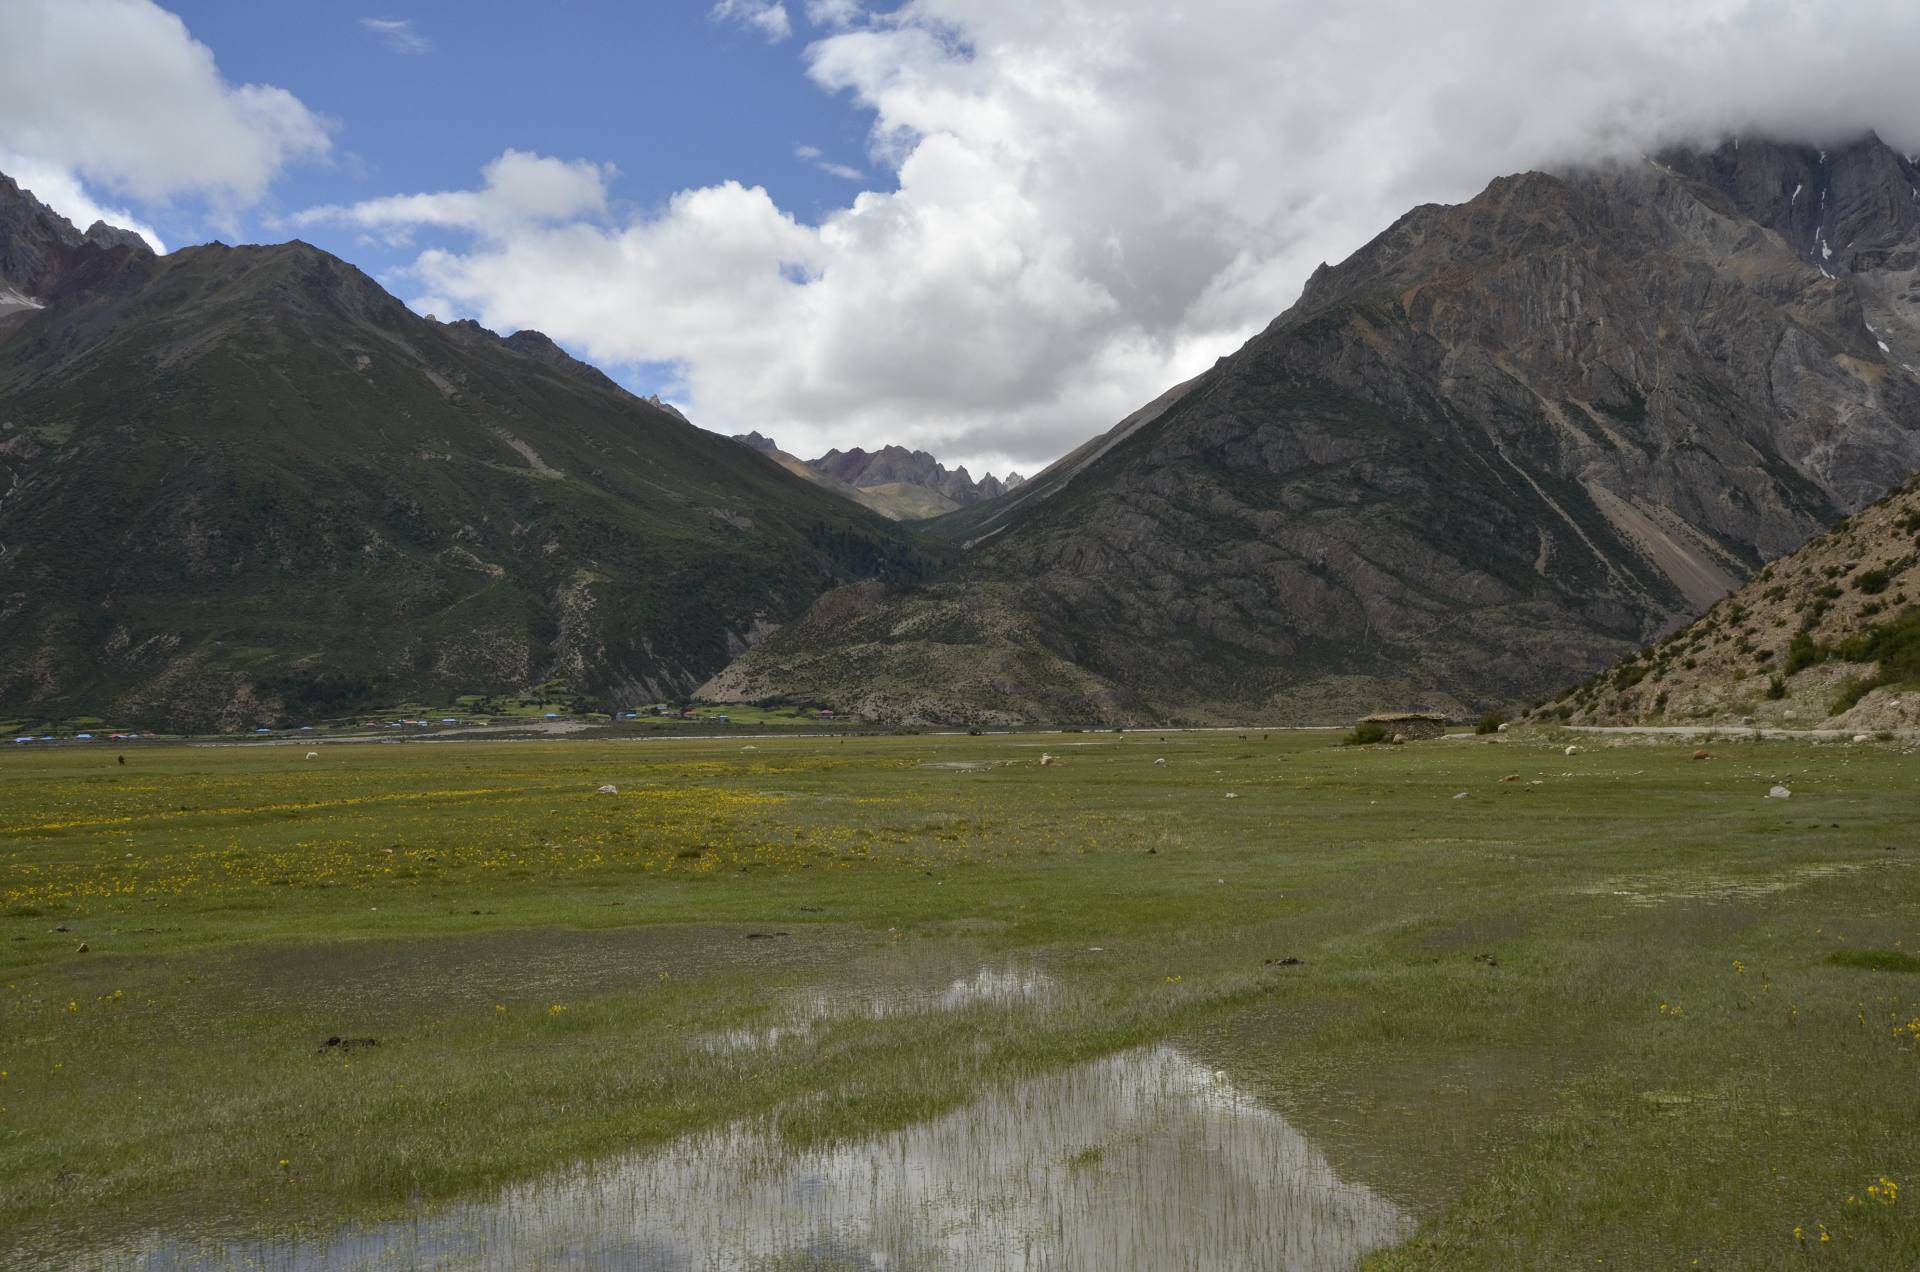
1045, 760
313, 755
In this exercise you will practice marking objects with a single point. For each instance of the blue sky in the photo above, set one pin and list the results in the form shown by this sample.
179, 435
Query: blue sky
670, 95
421, 96
1061, 207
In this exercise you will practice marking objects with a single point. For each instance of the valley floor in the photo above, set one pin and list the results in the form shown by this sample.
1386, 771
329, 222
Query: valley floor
800, 1002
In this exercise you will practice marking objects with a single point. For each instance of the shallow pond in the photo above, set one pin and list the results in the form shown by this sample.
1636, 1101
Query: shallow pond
1144, 1159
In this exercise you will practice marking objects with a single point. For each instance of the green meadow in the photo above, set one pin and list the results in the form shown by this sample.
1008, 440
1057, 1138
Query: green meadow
1615, 1008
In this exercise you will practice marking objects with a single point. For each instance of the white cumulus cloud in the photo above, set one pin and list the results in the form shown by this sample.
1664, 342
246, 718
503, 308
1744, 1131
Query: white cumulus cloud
768, 17
834, 13
1090, 200
519, 190
116, 96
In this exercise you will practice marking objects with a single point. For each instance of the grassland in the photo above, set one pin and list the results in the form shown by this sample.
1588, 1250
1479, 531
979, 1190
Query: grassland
1621, 1010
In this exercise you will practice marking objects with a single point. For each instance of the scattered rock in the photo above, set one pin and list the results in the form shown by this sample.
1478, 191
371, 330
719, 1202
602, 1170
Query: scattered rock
1045, 760
82, 948
608, 789
1779, 792
1488, 959
1572, 750
1861, 737
1399, 739
1231, 795
1461, 795
1161, 761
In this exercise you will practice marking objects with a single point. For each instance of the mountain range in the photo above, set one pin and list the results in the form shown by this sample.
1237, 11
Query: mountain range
1499, 446
907, 485
245, 484
1494, 451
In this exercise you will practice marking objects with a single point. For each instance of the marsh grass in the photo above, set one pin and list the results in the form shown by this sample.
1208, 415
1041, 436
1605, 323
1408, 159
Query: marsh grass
1876, 960
1617, 1015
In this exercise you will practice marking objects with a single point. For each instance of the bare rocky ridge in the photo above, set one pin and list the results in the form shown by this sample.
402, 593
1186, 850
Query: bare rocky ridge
1498, 447
899, 483
38, 247
896, 465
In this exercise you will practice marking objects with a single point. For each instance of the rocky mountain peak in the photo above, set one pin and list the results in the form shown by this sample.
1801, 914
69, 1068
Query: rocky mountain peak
38, 245
896, 465
113, 236
1842, 207
1500, 444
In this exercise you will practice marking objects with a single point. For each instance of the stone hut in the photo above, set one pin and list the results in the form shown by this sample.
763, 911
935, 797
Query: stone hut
1412, 726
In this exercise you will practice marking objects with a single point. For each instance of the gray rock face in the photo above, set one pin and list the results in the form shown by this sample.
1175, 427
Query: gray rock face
38, 246
1499, 446
891, 465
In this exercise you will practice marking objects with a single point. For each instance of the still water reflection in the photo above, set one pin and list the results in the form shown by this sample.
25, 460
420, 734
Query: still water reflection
1140, 1160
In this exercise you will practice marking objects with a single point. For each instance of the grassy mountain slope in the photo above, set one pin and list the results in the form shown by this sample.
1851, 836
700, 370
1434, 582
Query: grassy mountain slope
1495, 449
246, 483
1828, 637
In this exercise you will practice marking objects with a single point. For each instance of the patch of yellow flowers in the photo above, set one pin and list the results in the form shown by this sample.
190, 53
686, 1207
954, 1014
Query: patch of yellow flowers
1883, 1192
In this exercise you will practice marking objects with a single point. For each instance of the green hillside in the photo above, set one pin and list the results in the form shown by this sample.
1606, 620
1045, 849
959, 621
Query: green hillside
249, 485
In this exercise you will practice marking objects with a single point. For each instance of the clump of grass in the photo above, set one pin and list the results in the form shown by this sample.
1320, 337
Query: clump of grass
1491, 722
1366, 733
1875, 960
1803, 651
1851, 690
